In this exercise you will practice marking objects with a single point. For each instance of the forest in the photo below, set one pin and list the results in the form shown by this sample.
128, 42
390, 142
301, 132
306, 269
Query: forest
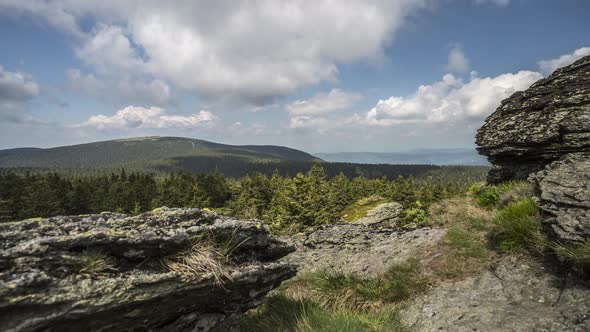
286, 203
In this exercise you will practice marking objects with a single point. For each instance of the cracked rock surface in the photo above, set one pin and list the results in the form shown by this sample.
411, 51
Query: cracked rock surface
43, 289
517, 295
358, 248
539, 125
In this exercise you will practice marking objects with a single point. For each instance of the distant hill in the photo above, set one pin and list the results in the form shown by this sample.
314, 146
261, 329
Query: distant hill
143, 152
422, 156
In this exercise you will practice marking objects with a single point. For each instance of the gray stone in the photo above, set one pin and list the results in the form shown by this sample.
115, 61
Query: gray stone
535, 127
42, 288
358, 248
564, 197
518, 295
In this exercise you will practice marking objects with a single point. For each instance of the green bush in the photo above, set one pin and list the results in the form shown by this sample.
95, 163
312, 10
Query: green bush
282, 314
517, 226
487, 196
416, 215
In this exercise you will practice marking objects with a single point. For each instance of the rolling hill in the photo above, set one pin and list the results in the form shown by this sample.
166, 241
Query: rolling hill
143, 152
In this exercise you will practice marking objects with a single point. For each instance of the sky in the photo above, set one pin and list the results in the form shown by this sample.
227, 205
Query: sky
316, 75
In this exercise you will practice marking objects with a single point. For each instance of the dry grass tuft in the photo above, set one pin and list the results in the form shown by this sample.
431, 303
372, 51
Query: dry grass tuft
461, 210
93, 262
199, 260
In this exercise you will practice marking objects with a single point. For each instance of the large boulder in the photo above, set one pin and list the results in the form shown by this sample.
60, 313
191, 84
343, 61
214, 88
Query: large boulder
543, 134
535, 127
166, 270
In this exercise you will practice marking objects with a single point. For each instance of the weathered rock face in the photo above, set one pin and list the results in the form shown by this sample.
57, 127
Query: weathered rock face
543, 134
358, 248
564, 188
537, 126
43, 286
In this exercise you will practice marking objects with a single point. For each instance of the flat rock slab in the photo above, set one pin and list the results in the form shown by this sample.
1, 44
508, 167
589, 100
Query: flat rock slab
386, 213
356, 248
518, 295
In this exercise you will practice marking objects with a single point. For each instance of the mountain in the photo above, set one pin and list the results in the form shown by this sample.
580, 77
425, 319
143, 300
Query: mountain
143, 152
422, 156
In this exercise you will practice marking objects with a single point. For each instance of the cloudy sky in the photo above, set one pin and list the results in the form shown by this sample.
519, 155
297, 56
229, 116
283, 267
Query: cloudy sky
322, 76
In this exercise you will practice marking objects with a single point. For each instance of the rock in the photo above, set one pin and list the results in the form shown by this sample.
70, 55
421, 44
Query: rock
358, 248
564, 190
383, 213
540, 125
43, 286
517, 295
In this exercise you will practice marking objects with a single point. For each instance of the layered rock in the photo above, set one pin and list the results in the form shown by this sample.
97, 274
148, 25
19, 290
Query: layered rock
543, 134
111, 272
535, 127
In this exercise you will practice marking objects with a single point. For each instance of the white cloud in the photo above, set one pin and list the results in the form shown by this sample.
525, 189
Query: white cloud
121, 90
253, 50
149, 118
16, 90
501, 3
549, 66
322, 103
457, 62
450, 100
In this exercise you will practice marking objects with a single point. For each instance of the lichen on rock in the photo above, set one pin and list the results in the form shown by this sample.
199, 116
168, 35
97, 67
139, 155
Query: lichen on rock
105, 272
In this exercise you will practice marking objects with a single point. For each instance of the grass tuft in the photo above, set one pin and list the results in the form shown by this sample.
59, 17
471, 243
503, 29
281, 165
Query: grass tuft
282, 314
94, 261
517, 226
202, 258
576, 254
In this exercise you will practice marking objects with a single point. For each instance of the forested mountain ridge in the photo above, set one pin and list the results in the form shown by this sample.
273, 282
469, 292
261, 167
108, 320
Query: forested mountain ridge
142, 152
420, 156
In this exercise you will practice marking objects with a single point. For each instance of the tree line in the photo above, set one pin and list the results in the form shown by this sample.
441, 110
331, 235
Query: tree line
284, 202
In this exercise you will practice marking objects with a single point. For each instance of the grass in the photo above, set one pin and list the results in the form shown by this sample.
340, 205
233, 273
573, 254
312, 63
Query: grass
517, 226
283, 314
201, 259
577, 254
94, 262
360, 208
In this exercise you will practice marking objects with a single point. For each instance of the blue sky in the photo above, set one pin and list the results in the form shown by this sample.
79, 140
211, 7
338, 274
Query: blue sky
322, 76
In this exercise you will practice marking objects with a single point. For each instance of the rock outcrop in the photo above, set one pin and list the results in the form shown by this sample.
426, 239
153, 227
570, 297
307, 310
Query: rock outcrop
382, 214
543, 134
358, 248
517, 295
535, 127
166, 270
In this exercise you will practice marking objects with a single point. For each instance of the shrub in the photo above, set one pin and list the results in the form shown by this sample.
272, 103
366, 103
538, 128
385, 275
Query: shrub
283, 314
517, 226
487, 196
416, 215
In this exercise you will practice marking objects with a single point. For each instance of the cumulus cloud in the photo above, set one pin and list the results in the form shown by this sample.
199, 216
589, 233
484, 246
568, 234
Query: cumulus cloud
449, 100
16, 90
323, 103
255, 51
549, 66
457, 62
121, 90
149, 118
